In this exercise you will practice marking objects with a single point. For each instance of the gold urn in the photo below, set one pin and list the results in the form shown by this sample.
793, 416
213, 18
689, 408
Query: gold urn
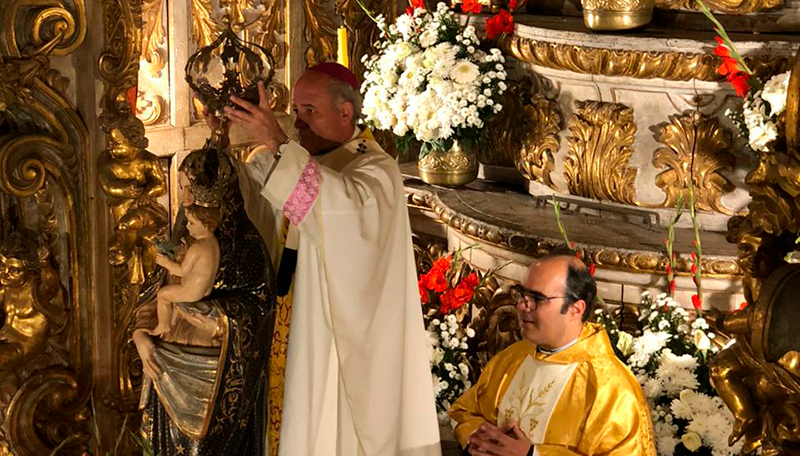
453, 167
617, 14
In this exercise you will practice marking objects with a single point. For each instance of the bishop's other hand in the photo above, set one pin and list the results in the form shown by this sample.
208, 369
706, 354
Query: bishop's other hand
258, 120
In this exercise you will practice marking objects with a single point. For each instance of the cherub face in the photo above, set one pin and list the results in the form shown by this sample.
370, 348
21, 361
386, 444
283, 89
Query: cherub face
13, 272
119, 147
194, 226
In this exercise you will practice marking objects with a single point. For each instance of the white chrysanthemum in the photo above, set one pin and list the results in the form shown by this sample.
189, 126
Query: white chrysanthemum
665, 438
775, 91
646, 346
428, 37
464, 72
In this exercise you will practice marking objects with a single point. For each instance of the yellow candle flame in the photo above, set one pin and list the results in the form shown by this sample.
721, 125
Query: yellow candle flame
342, 55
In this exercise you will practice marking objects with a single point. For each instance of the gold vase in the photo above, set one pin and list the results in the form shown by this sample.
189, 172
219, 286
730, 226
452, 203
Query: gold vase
617, 14
451, 168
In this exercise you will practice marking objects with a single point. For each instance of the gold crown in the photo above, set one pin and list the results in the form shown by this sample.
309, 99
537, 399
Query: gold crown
210, 174
228, 66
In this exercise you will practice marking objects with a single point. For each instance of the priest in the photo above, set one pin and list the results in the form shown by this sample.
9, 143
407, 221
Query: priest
357, 377
561, 390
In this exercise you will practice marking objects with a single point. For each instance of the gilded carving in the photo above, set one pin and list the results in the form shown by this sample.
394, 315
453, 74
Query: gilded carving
600, 146
151, 109
319, 32
506, 131
724, 6
697, 148
58, 26
204, 28
672, 66
626, 260
540, 142
153, 37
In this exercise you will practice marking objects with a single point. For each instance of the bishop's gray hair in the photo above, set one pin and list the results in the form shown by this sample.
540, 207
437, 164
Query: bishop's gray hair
341, 91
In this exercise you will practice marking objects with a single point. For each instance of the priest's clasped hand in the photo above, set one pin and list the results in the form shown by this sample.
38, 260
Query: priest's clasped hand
489, 440
258, 120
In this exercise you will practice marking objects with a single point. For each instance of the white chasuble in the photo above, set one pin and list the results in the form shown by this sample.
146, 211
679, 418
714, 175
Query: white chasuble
358, 378
532, 396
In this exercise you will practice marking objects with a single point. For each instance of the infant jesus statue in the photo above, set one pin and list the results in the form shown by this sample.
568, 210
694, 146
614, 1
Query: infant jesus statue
197, 270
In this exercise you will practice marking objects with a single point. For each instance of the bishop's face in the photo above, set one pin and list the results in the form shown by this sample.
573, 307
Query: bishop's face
322, 123
13, 273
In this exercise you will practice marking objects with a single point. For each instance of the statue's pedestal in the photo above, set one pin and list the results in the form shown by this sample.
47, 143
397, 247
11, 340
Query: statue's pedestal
509, 225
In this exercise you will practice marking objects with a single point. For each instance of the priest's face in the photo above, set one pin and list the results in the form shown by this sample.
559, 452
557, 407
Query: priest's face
323, 123
540, 308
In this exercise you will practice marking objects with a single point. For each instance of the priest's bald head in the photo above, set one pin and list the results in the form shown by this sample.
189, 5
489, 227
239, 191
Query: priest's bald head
327, 104
554, 299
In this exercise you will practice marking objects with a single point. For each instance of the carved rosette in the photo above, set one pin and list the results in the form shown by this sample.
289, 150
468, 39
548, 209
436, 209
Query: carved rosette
600, 146
672, 66
540, 143
695, 133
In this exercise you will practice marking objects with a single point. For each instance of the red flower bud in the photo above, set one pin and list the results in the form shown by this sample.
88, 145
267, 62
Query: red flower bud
666, 242
694, 257
671, 287
669, 269
743, 305
591, 270
694, 269
696, 302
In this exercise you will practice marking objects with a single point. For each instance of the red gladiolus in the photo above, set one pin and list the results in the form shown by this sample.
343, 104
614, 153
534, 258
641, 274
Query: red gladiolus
743, 305
729, 67
471, 6
442, 264
501, 22
698, 305
669, 269
666, 242
410, 10
591, 270
693, 256
423, 290
671, 287
417, 4
471, 281
436, 280
721, 50
694, 269
512, 5
740, 84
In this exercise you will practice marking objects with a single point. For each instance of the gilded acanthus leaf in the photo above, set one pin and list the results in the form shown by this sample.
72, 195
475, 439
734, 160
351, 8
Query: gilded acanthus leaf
204, 29
540, 142
320, 31
723, 6
712, 154
600, 146
153, 37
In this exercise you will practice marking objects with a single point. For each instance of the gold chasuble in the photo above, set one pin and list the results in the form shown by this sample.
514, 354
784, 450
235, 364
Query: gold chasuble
580, 401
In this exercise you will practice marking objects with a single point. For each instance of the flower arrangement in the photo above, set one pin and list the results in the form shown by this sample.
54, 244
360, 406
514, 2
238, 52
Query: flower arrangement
669, 356
755, 122
445, 290
430, 81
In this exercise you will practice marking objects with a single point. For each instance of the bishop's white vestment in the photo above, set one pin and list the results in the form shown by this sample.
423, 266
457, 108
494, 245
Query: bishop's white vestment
358, 379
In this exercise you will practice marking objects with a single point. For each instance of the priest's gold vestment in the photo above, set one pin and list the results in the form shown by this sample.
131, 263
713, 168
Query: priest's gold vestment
580, 401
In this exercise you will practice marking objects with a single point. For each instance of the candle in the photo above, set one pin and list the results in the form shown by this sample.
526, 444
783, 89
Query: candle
342, 56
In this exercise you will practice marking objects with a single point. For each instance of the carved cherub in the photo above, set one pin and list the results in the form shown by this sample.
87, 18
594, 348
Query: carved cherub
197, 270
132, 178
32, 299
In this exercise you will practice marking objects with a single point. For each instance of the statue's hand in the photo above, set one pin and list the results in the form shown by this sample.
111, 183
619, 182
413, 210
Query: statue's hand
145, 347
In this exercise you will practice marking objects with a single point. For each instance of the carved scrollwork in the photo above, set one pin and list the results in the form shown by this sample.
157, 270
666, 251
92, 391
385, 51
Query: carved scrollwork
151, 109
672, 66
204, 28
601, 144
153, 37
540, 143
58, 26
724, 6
320, 31
711, 143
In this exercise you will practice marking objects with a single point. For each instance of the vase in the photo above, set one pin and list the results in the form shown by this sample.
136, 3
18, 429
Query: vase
617, 14
454, 167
